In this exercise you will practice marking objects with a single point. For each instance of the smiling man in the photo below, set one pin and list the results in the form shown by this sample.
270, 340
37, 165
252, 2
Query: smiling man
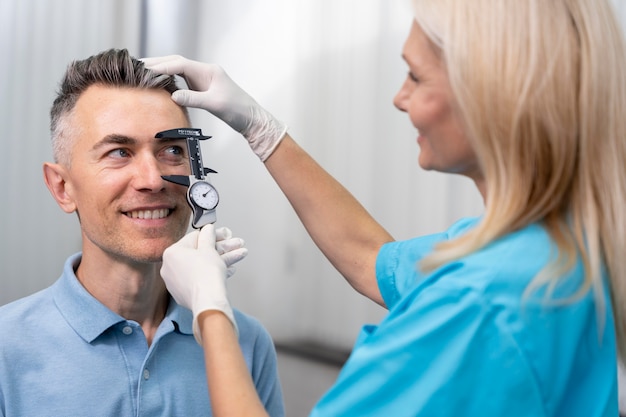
107, 339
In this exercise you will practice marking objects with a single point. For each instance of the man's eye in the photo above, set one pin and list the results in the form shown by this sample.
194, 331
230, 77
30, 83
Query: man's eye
175, 150
119, 153
174, 154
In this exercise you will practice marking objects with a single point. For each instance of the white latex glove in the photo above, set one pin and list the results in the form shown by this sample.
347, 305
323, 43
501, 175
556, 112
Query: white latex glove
195, 275
230, 248
213, 90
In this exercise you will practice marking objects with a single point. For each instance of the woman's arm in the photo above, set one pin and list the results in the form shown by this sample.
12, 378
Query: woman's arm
231, 389
195, 275
343, 230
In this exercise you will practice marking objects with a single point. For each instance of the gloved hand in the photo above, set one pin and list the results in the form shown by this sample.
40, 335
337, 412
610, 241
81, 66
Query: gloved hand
230, 248
215, 91
195, 275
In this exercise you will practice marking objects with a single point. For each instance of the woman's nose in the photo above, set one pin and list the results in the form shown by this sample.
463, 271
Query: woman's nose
401, 98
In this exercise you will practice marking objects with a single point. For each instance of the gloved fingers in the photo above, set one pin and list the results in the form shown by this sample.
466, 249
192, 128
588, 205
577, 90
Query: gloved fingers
189, 98
206, 237
169, 64
230, 271
223, 233
232, 257
211, 89
198, 75
228, 245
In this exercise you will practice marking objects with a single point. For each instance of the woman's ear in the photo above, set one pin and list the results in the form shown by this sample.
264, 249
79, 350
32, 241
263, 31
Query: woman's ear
57, 180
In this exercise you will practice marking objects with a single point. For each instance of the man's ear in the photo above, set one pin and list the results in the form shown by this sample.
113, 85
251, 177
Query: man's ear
56, 177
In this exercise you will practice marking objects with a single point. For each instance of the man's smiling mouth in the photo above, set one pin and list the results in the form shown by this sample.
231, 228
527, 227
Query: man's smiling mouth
148, 214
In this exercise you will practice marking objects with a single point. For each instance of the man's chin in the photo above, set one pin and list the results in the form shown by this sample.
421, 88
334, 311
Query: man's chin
153, 254
146, 258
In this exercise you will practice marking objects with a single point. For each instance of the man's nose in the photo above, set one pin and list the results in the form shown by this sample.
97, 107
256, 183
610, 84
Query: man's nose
148, 174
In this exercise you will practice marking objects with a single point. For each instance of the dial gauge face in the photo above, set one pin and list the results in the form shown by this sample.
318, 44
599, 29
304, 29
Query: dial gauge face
204, 195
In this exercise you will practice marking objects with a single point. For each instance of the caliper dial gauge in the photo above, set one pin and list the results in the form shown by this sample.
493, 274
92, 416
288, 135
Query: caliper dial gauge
204, 195
201, 195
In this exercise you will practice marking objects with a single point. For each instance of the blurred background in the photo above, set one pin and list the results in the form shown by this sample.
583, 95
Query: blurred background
329, 68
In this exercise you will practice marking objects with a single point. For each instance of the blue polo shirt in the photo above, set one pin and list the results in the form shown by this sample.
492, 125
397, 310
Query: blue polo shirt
63, 353
464, 341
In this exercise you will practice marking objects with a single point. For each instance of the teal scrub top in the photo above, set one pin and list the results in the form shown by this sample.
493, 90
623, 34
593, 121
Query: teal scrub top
463, 341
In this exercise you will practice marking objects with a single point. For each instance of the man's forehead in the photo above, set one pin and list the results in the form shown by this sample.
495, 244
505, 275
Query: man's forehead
105, 96
124, 112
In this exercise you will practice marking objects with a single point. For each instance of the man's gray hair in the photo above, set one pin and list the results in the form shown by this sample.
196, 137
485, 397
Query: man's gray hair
113, 67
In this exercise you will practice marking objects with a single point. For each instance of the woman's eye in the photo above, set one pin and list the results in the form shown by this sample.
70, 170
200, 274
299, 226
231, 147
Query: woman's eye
412, 77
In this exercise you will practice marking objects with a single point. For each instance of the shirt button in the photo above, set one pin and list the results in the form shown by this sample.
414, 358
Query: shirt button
146, 374
127, 330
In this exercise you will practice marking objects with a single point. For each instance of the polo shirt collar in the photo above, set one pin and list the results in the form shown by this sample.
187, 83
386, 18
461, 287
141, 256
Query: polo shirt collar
180, 316
89, 317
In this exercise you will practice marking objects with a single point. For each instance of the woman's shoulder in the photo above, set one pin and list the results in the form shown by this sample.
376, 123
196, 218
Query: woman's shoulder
521, 255
503, 268
517, 256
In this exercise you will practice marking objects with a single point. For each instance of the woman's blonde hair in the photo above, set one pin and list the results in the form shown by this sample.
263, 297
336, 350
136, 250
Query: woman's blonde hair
541, 88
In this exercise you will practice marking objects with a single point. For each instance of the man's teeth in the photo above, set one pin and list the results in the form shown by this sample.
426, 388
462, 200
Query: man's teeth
148, 214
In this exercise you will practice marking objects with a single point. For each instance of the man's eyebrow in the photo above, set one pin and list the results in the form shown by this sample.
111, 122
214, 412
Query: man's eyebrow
118, 139
114, 139
166, 140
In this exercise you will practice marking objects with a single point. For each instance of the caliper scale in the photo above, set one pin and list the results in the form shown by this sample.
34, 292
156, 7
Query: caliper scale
201, 195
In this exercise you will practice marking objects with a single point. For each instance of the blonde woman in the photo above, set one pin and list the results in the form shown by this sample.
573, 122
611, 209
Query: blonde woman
517, 313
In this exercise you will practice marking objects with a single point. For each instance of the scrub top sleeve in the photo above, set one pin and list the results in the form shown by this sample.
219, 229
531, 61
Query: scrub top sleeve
439, 354
397, 265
